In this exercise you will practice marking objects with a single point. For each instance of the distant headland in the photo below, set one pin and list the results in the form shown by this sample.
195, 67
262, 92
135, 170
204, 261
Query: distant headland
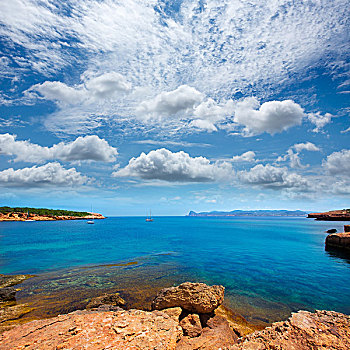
251, 213
43, 214
334, 215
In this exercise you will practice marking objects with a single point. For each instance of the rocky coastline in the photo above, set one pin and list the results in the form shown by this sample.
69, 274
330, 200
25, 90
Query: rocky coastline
18, 216
339, 241
189, 316
334, 215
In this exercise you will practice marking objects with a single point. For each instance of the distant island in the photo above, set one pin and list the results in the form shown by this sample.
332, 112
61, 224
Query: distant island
333, 215
251, 213
43, 214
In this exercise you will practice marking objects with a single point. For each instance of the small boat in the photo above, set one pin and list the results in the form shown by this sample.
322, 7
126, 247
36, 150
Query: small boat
91, 222
149, 219
27, 219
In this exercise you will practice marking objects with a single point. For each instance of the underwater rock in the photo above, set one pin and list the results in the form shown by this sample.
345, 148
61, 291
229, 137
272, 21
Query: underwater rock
106, 299
303, 330
11, 280
193, 297
7, 294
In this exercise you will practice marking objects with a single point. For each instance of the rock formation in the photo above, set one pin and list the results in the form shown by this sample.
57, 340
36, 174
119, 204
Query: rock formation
304, 330
176, 328
106, 299
339, 241
334, 215
193, 297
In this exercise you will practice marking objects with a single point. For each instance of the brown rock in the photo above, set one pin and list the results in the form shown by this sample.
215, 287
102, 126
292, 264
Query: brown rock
191, 325
194, 297
303, 330
218, 335
338, 241
173, 312
10, 313
133, 329
7, 294
106, 299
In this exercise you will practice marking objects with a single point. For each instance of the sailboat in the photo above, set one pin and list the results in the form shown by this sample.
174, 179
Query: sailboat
28, 217
92, 221
149, 219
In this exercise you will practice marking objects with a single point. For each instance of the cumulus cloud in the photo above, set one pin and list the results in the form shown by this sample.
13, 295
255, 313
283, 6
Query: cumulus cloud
271, 117
293, 154
245, 157
319, 120
171, 102
338, 163
82, 148
162, 164
272, 177
203, 125
50, 174
94, 88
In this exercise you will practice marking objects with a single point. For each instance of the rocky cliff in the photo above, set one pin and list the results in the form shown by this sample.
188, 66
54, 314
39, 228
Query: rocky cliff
334, 215
185, 317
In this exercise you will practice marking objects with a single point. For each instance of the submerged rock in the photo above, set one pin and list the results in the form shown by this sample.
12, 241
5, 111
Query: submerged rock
193, 297
11, 280
133, 329
303, 330
7, 294
106, 299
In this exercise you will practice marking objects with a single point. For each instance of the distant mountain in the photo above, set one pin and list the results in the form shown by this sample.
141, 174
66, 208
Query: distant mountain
251, 213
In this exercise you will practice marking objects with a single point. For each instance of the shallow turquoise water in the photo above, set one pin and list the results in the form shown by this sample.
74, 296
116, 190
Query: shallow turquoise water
269, 266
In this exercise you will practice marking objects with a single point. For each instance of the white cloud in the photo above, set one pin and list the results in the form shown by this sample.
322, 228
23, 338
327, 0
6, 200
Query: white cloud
203, 125
245, 157
94, 88
169, 103
162, 164
271, 117
272, 177
319, 120
338, 163
82, 148
293, 154
50, 174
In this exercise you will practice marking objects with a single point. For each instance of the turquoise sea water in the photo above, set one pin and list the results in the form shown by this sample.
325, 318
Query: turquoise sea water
269, 266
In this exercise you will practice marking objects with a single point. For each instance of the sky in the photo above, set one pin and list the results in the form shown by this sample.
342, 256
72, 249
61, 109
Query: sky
174, 106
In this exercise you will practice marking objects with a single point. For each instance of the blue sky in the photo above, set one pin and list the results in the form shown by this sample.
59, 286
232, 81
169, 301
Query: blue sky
174, 105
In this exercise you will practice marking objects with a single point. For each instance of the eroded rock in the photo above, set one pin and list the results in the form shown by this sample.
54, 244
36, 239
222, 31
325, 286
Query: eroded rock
217, 335
7, 294
194, 297
133, 329
191, 325
303, 330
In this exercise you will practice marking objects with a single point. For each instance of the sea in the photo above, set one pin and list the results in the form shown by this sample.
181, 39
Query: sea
270, 266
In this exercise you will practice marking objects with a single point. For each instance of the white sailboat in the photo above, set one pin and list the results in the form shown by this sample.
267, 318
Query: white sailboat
92, 221
149, 219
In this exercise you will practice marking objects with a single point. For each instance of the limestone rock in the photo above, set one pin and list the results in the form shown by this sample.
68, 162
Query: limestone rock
133, 329
194, 297
11, 280
338, 241
191, 325
303, 330
173, 312
10, 313
106, 299
218, 335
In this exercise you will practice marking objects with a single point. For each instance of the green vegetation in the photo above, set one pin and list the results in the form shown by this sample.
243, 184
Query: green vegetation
43, 211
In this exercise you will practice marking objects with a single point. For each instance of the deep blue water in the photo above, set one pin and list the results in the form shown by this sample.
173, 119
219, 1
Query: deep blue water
268, 265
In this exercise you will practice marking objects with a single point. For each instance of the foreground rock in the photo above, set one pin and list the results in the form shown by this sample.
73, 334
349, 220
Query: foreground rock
304, 330
339, 241
216, 335
133, 329
193, 297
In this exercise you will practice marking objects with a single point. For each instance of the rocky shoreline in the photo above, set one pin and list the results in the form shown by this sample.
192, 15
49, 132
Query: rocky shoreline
334, 215
189, 316
36, 217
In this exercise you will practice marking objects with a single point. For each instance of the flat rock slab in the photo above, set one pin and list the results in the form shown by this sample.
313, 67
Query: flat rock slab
133, 329
193, 297
304, 330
